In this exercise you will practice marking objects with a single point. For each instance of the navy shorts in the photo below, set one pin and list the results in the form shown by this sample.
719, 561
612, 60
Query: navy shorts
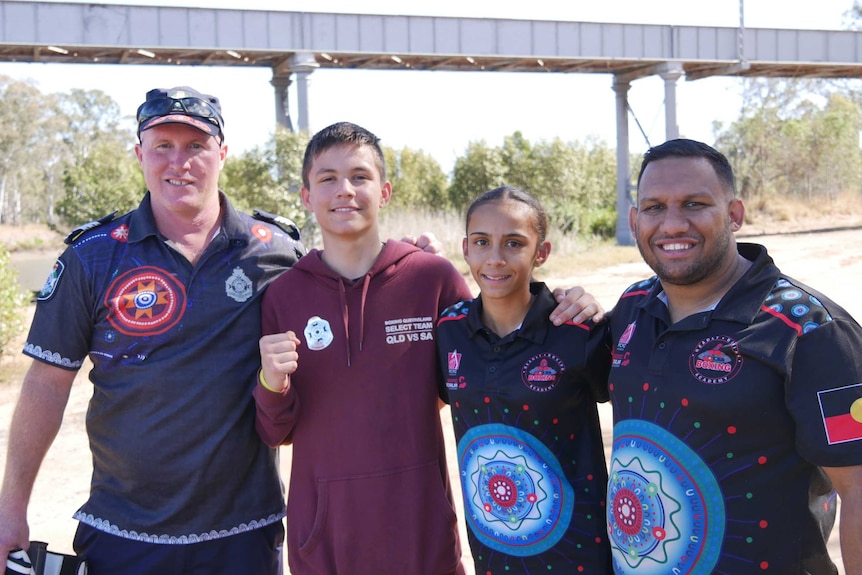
257, 552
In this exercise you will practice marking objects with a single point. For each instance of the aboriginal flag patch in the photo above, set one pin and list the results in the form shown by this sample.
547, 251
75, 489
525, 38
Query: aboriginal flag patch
842, 413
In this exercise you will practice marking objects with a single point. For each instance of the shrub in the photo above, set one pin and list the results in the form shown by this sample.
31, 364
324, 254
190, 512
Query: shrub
12, 302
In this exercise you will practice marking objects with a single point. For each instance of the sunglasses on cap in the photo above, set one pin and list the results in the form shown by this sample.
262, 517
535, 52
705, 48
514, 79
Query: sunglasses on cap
187, 106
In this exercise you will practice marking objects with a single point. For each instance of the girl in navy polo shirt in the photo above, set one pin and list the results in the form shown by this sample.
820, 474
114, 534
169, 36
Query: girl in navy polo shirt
523, 397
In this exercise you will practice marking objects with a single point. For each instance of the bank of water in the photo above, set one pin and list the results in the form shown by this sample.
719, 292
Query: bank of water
33, 270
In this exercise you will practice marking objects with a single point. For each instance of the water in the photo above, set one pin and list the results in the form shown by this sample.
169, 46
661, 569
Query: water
33, 270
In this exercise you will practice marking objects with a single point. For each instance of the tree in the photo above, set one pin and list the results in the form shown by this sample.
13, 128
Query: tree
24, 142
520, 163
100, 174
269, 178
834, 135
576, 182
12, 302
478, 170
794, 138
106, 180
417, 179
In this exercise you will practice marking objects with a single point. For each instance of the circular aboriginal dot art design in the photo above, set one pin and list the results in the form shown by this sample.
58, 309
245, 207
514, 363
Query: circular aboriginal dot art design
665, 510
145, 301
517, 499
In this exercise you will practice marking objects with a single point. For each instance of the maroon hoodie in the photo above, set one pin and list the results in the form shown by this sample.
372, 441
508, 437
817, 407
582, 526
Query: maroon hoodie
369, 491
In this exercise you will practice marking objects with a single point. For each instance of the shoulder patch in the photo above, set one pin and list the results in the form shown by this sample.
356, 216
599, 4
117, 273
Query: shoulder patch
458, 310
285, 224
798, 307
50, 286
640, 288
77, 232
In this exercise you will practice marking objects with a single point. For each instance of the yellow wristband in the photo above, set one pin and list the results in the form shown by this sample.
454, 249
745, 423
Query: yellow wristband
262, 381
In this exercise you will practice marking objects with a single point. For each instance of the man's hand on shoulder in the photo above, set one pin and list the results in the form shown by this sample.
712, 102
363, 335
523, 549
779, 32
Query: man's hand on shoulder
427, 242
575, 305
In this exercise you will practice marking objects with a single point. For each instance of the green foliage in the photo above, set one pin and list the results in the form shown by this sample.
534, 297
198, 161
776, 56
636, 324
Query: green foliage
479, 170
602, 222
417, 179
12, 302
99, 172
794, 139
26, 149
107, 179
270, 178
576, 182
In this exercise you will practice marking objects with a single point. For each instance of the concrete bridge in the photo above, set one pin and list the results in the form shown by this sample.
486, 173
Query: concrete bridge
294, 44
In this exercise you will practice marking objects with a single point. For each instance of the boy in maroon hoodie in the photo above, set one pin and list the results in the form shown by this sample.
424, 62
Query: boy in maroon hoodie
369, 490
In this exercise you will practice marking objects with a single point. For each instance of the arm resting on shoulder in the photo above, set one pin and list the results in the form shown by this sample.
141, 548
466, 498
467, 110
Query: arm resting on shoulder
848, 483
35, 423
575, 305
427, 242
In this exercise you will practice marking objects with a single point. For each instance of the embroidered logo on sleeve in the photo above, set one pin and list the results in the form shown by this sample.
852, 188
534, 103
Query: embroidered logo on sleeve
51, 283
842, 413
318, 333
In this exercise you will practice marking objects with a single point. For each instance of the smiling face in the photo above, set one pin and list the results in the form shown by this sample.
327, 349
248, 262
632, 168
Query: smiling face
345, 191
502, 248
181, 167
684, 221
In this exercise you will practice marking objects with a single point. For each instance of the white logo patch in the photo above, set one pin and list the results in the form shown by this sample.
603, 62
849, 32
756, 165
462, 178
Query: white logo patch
238, 286
318, 333
50, 285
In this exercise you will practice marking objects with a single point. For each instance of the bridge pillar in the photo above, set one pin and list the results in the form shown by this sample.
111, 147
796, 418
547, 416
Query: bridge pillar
670, 75
282, 109
303, 64
624, 202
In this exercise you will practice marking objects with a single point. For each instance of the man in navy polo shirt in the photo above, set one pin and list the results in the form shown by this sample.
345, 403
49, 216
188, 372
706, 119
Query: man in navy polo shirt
737, 393
165, 302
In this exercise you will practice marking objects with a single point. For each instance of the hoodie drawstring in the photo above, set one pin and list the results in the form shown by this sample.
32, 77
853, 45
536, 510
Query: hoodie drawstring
345, 312
344, 316
365, 281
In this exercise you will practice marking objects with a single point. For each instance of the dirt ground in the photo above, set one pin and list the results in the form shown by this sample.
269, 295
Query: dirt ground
830, 261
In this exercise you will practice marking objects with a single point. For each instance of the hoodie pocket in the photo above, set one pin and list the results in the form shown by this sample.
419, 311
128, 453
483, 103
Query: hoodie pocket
397, 521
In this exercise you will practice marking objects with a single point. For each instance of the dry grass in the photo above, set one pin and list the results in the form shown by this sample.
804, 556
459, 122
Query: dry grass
773, 215
30, 238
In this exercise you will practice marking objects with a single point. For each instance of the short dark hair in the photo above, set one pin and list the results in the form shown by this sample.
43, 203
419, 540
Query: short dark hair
339, 134
519, 195
683, 148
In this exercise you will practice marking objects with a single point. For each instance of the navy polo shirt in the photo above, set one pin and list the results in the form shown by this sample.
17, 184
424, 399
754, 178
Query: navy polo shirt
530, 453
174, 353
721, 421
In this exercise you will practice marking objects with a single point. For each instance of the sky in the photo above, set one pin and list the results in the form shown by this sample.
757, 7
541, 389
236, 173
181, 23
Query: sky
442, 112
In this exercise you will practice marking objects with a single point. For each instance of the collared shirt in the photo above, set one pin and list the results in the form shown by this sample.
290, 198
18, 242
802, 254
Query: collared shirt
530, 453
174, 353
721, 422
